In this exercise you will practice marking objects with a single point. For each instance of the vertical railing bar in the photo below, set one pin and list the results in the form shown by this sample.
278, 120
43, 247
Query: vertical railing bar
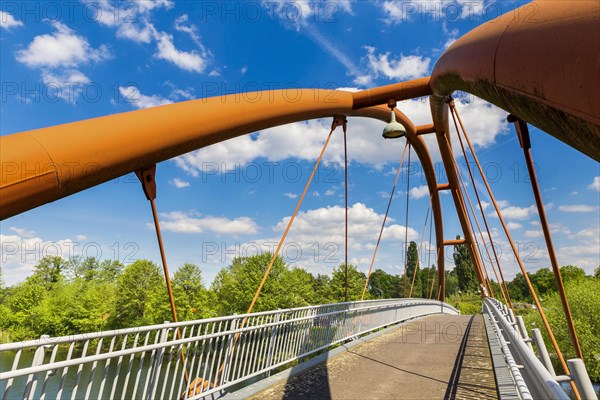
221, 340
252, 350
14, 367
197, 362
64, 372
184, 351
129, 367
241, 354
49, 373
150, 370
208, 356
140, 367
229, 352
118, 372
190, 354
106, 368
93, 371
259, 337
32, 379
158, 362
79, 370
173, 351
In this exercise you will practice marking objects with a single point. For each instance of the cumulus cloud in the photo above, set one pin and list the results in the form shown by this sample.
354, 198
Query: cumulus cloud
62, 48
139, 28
419, 192
192, 222
595, 185
23, 249
290, 195
304, 140
7, 21
403, 68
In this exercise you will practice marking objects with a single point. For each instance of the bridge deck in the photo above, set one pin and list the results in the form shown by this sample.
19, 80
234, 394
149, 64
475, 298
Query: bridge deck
435, 357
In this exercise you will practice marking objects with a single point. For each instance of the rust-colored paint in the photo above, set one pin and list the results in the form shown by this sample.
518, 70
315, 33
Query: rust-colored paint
539, 62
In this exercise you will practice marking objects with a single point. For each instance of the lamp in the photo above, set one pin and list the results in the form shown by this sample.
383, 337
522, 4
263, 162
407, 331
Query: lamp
393, 129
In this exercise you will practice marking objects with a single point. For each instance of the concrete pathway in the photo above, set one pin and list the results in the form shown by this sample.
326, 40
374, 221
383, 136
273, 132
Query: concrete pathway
436, 357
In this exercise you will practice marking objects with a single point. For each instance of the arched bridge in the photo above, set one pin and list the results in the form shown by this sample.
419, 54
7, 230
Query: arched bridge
395, 348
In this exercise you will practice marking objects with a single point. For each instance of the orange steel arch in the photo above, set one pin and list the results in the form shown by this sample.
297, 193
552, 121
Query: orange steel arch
539, 62
524, 66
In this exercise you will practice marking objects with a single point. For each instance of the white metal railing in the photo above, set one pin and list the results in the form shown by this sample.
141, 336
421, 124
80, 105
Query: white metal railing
514, 347
155, 362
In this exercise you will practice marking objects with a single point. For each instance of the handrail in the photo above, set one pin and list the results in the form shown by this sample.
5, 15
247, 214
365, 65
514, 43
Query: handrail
147, 359
508, 334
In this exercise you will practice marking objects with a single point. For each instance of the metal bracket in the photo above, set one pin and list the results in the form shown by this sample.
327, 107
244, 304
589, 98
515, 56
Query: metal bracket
147, 178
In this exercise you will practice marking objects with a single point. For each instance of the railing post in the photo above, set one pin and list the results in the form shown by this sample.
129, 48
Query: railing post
271, 341
164, 334
543, 352
229, 353
582, 379
38, 359
523, 330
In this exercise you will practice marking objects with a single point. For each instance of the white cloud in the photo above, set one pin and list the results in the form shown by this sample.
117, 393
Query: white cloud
21, 251
577, 208
62, 48
191, 222
515, 212
133, 96
178, 183
533, 234
304, 140
329, 192
243, 70
7, 21
68, 85
189, 61
23, 232
290, 195
81, 237
595, 185
514, 225
419, 192
406, 67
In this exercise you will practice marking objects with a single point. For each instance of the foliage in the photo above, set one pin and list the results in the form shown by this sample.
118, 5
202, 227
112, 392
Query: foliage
356, 283
465, 271
584, 300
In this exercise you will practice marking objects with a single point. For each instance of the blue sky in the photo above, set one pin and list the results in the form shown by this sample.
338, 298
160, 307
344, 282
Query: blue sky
67, 61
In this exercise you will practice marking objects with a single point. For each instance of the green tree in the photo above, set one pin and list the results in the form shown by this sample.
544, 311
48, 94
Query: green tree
322, 289
140, 291
383, 285
465, 271
50, 270
356, 283
191, 297
452, 286
235, 286
412, 262
584, 300
571, 273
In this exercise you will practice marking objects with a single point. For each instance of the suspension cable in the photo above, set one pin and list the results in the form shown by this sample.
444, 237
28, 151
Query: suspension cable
523, 133
462, 182
420, 249
502, 282
470, 220
337, 121
384, 220
474, 254
518, 258
346, 222
429, 254
406, 225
